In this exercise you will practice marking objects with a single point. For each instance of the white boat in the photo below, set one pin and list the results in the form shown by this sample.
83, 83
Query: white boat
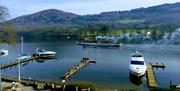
137, 66
3, 52
23, 56
45, 54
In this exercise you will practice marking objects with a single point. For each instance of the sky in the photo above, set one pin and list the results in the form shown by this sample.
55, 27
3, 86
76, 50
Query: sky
81, 7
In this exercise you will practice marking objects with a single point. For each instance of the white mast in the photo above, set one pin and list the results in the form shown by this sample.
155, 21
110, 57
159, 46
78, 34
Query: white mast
22, 45
19, 66
19, 77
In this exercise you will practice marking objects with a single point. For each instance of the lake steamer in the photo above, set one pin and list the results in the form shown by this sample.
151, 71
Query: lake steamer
101, 41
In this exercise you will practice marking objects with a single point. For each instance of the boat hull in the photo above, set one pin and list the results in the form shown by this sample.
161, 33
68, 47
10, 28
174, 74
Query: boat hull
137, 74
3, 52
44, 56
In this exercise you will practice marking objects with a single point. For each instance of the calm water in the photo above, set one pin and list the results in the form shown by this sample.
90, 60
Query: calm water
111, 69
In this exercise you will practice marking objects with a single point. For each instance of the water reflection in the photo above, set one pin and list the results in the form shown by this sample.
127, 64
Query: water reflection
24, 64
136, 80
42, 60
105, 71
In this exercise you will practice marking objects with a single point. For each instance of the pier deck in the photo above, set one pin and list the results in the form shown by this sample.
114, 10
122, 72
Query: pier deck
16, 62
34, 83
151, 78
152, 83
158, 65
73, 70
42, 84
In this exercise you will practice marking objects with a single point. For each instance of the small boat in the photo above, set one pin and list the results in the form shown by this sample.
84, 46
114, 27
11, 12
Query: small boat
24, 57
45, 54
137, 65
3, 52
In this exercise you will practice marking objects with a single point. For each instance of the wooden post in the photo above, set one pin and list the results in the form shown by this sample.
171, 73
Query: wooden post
52, 85
170, 84
89, 89
64, 86
76, 88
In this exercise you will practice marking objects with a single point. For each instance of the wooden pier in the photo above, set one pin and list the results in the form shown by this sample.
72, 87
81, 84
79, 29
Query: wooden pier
152, 83
151, 78
16, 62
34, 83
73, 70
45, 84
158, 65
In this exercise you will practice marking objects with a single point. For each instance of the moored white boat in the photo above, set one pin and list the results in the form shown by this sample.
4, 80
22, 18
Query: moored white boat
45, 54
3, 52
24, 56
137, 66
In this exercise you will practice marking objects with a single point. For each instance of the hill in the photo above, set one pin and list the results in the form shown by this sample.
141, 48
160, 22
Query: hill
43, 18
156, 16
53, 24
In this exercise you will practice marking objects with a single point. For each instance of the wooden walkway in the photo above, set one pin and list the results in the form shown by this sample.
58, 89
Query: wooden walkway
34, 83
151, 78
158, 65
73, 70
16, 62
152, 83
44, 84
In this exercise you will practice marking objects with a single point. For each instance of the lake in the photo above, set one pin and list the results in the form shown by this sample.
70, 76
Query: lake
111, 69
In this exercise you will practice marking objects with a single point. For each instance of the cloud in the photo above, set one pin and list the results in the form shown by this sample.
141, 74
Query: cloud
23, 7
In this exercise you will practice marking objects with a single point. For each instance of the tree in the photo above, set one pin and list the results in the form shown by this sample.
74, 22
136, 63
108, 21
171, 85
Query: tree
3, 13
7, 32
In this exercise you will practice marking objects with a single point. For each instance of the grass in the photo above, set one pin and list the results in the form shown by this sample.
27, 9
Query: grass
164, 89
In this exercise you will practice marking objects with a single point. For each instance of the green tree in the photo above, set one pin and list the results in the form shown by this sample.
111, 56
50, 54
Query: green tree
3, 13
7, 32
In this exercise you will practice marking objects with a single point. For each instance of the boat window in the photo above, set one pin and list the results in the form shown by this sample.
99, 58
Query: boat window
137, 62
40, 50
137, 56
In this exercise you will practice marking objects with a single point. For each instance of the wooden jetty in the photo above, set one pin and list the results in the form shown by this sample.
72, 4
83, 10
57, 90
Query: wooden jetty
49, 85
43, 84
34, 83
158, 65
151, 78
152, 83
16, 62
73, 70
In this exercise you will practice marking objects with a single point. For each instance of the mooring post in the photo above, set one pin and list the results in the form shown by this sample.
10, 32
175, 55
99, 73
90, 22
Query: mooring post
76, 88
52, 85
89, 89
64, 86
170, 84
